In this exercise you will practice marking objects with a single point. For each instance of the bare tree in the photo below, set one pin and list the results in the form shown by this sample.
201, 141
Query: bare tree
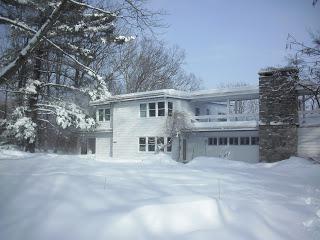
56, 60
306, 58
176, 125
149, 64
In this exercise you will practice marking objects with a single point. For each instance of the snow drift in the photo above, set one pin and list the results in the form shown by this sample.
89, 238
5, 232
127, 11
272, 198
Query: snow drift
48, 196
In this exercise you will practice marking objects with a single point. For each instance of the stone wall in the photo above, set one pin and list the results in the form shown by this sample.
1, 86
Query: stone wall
278, 114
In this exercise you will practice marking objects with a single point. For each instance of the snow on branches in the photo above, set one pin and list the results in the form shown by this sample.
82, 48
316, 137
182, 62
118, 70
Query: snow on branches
70, 115
21, 127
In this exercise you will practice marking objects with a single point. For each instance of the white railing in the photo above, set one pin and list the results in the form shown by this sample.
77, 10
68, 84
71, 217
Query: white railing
227, 118
231, 121
309, 117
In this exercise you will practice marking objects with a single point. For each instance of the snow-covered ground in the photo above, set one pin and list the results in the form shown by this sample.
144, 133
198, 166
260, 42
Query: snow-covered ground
47, 196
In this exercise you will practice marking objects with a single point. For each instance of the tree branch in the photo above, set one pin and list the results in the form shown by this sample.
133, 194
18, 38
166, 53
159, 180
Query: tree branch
11, 68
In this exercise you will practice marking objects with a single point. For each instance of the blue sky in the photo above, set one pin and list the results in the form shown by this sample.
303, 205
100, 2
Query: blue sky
230, 41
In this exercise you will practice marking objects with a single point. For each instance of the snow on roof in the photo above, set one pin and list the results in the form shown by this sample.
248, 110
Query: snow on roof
217, 94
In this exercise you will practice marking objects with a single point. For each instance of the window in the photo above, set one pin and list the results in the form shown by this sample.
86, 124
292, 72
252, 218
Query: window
244, 140
213, 141
107, 114
254, 140
197, 112
104, 114
100, 115
152, 109
160, 143
151, 144
208, 111
169, 144
143, 110
233, 141
223, 141
161, 108
142, 144
170, 108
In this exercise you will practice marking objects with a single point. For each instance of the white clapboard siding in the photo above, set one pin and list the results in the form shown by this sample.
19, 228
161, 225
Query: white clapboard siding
309, 141
128, 126
103, 145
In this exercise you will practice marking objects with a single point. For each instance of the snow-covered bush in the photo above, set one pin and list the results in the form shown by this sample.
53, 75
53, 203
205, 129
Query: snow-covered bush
20, 127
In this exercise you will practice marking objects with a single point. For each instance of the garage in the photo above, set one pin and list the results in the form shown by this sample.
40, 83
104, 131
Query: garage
234, 145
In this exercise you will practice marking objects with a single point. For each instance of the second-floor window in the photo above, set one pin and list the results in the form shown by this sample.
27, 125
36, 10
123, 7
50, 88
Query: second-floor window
170, 108
143, 110
197, 113
156, 109
152, 109
161, 108
104, 115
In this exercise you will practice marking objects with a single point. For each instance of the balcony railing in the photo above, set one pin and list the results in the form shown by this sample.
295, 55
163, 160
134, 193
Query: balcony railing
244, 120
227, 117
309, 117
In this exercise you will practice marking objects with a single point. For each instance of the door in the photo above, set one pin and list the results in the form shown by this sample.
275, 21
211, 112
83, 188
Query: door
84, 147
91, 145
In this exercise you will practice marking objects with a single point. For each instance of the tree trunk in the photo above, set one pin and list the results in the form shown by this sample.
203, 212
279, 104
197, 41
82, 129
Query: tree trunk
33, 99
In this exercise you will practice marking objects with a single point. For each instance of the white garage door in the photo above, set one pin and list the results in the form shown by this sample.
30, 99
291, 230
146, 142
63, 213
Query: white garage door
237, 145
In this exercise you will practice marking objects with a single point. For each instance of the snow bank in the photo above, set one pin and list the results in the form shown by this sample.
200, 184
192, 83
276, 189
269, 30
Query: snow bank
49, 196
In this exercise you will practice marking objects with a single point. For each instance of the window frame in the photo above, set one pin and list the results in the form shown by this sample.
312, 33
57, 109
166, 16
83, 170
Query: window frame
102, 114
225, 142
107, 114
143, 111
213, 141
245, 142
162, 109
152, 109
232, 142
170, 109
143, 144
256, 142
154, 144
160, 143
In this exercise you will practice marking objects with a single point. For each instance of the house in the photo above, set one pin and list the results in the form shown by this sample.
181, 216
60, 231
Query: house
246, 123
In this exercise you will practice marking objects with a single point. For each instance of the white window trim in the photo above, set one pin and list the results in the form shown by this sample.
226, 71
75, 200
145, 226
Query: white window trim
165, 139
104, 114
166, 109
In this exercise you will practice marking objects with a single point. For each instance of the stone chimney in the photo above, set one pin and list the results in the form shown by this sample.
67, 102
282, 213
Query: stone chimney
278, 114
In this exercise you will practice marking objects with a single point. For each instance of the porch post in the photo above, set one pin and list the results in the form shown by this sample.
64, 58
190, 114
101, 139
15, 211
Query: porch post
303, 107
228, 110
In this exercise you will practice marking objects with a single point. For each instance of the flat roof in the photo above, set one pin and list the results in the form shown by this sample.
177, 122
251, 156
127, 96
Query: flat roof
247, 92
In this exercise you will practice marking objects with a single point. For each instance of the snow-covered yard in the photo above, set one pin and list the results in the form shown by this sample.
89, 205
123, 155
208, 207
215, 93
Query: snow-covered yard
47, 196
